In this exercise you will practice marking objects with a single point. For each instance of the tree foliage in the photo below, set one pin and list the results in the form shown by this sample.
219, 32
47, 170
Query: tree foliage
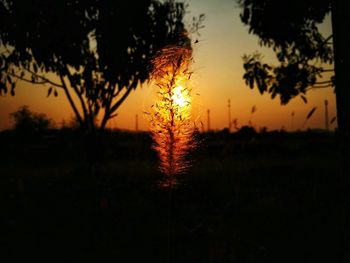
290, 28
94, 52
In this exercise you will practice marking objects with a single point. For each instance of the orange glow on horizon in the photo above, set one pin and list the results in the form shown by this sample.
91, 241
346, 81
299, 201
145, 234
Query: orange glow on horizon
218, 77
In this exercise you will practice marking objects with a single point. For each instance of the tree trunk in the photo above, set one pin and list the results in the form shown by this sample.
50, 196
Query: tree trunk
341, 44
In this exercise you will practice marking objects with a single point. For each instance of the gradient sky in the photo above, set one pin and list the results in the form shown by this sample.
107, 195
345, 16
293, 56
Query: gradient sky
217, 77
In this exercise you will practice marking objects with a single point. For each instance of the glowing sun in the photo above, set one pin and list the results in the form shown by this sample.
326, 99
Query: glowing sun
179, 96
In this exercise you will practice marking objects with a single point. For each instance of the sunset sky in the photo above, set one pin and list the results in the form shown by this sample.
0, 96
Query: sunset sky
217, 77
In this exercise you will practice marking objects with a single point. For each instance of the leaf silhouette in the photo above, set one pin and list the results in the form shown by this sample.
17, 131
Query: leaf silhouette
333, 119
49, 91
311, 113
12, 92
303, 98
253, 109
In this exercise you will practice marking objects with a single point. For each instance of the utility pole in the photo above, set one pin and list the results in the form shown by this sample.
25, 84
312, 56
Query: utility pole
208, 116
292, 123
137, 123
326, 119
229, 115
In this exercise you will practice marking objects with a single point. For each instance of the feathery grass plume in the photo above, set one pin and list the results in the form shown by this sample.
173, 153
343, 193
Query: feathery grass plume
171, 125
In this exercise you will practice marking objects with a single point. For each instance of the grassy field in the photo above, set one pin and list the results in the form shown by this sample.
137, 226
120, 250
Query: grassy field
272, 197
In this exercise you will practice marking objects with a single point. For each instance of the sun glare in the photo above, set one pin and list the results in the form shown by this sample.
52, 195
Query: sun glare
179, 96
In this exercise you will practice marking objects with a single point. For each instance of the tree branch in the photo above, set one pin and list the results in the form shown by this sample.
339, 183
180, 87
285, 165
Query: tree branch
28, 80
328, 38
116, 105
115, 94
43, 78
111, 95
107, 114
71, 102
121, 100
82, 102
319, 87
328, 70
323, 82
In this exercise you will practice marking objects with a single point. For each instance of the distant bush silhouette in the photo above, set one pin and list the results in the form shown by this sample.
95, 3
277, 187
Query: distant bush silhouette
26, 121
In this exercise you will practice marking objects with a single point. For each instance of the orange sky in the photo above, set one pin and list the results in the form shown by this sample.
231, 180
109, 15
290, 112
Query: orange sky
217, 77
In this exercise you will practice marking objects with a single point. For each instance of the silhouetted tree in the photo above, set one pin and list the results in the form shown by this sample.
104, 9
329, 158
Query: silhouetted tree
26, 121
290, 28
95, 52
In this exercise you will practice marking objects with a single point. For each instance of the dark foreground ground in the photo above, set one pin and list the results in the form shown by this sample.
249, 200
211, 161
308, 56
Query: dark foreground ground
272, 197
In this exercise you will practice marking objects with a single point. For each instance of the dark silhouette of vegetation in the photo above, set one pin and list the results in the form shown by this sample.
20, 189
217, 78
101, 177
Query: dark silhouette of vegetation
290, 28
246, 131
28, 122
94, 52
304, 56
258, 200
